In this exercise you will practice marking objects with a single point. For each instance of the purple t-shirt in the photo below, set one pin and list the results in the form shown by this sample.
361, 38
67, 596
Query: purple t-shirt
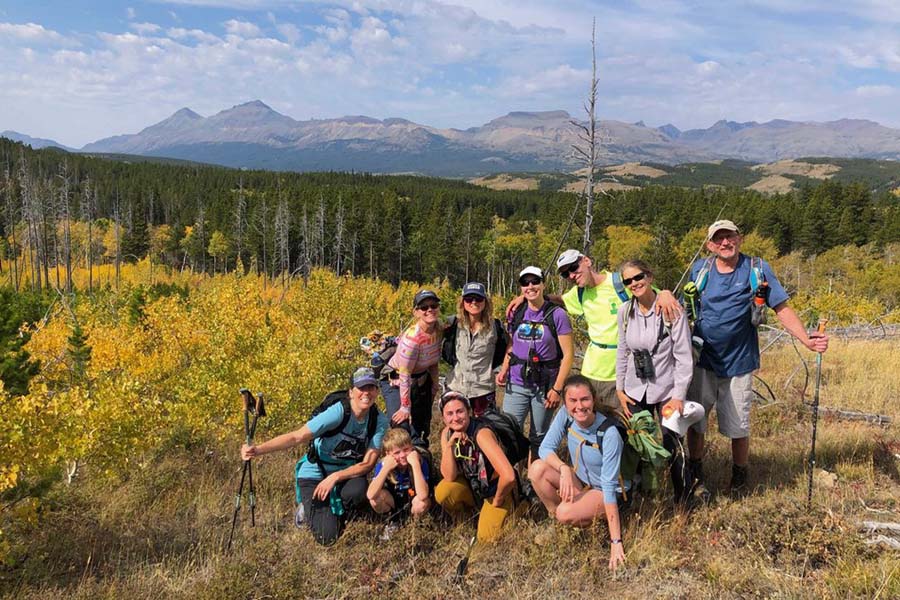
533, 334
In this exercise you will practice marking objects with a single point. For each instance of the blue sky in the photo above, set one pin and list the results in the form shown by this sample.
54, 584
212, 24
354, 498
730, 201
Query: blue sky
78, 71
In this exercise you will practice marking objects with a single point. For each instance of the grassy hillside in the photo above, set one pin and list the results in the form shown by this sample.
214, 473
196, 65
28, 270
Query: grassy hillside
159, 530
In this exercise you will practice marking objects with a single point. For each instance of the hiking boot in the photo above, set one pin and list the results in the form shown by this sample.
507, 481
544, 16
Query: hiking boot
299, 516
738, 480
389, 530
700, 496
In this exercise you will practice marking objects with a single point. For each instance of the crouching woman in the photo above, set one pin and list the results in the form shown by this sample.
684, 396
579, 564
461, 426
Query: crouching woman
475, 468
333, 488
579, 493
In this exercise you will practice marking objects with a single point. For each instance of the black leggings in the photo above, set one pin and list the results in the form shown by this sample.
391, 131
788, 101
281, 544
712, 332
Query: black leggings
326, 527
681, 479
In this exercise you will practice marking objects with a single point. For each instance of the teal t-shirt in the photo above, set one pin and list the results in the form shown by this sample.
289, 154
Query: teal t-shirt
353, 433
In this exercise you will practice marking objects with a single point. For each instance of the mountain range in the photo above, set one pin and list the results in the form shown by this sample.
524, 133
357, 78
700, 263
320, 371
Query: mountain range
253, 135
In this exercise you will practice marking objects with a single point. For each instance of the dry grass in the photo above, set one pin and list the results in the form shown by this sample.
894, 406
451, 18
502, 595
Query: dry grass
797, 167
773, 184
161, 533
505, 181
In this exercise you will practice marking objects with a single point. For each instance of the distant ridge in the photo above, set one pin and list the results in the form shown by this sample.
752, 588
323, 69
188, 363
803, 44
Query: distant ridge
36, 143
256, 136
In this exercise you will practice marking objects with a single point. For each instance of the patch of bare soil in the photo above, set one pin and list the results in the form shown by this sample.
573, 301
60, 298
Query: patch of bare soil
773, 184
505, 181
606, 186
794, 167
634, 169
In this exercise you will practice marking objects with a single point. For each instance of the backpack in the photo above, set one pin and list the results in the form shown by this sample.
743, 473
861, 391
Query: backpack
381, 348
342, 396
514, 443
759, 288
631, 457
448, 345
665, 328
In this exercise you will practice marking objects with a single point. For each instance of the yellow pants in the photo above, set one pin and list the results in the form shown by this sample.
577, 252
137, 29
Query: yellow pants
456, 496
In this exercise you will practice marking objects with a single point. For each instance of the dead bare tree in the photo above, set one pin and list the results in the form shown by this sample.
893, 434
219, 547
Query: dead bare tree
587, 134
282, 239
87, 208
240, 221
339, 236
64, 212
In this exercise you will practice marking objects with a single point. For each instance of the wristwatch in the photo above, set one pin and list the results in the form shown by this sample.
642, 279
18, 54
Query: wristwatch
615, 541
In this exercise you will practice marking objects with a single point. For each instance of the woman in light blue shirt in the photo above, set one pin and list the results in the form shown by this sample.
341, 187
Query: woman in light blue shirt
577, 494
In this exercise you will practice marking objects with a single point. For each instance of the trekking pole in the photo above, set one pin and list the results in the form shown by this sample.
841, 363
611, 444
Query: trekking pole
259, 411
245, 401
464, 562
815, 418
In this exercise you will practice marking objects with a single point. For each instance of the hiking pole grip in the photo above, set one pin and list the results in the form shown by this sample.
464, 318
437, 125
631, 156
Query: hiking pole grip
820, 329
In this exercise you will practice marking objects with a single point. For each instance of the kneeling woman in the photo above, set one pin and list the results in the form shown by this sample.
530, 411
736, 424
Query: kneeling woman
475, 468
586, 490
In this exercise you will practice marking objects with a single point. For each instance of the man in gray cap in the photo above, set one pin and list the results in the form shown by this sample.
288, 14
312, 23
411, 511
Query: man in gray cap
727, 285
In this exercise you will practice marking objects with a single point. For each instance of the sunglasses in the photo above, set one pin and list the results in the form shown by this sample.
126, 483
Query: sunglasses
473, 299
567, 272
427, 307
638, 277
530, 281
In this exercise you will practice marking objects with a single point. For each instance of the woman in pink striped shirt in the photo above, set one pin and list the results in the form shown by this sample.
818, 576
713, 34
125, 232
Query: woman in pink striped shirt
409, 397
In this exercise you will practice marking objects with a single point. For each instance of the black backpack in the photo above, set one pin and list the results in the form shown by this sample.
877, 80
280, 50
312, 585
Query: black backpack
514, 443
448, 346
342, 396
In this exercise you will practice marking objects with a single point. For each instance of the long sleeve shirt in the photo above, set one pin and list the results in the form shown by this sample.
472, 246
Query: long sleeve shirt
672, 360
417, 352
596, 469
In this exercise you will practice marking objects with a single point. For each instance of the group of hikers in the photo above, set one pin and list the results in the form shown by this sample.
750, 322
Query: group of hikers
649, 356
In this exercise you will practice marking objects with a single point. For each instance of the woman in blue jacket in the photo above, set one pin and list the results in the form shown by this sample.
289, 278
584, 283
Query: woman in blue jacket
577, 494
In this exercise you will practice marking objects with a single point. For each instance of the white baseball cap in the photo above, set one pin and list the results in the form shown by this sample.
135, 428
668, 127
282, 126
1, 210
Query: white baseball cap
569, 257
719, 225
531, 270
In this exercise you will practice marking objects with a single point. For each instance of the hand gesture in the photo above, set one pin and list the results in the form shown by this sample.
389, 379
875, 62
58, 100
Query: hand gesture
248, 452
324, 488
567, 486
401, 416
625, 402
553, 399
616, 556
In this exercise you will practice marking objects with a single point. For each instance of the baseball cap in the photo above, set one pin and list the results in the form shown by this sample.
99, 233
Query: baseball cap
447, 397
569, 257
531, 270
423, 295
364, 376
473, 288
719, 225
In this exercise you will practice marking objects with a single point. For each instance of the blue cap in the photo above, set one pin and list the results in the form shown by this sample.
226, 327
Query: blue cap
364, 376
422, 296
473, 288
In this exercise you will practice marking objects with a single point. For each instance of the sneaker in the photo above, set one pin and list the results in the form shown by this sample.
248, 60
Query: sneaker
389, 530
299, 516
738, 480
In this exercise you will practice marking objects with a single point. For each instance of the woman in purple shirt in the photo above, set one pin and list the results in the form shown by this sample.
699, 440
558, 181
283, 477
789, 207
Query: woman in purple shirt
653, 363
539, 358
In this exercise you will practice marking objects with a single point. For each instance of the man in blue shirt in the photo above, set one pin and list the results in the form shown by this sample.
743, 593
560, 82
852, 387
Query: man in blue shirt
335, 485
723, 377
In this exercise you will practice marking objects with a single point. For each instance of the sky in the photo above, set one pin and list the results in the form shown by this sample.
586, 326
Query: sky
77, 71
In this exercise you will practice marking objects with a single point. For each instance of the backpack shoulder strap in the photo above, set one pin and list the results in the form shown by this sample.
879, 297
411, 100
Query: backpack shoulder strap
619, 286
345, 403
703, 274
581, 296
372, 423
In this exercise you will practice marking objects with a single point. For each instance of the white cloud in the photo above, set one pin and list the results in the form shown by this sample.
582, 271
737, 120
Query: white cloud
243, 29
145, 28
130, 13
875, 91
29, 32
289, 31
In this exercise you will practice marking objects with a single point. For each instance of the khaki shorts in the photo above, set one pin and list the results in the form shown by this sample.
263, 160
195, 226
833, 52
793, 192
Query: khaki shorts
731, 396
605, 394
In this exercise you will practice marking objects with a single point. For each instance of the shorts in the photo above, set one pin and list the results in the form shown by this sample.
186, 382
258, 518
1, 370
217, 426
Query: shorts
731, 396
605, 394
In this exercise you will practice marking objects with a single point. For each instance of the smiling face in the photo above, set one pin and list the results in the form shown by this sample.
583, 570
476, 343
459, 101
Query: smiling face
364, 397
580, 404
725, 244
428, 312
455, 415
638, 281
532, 287
473, 304
580, 273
